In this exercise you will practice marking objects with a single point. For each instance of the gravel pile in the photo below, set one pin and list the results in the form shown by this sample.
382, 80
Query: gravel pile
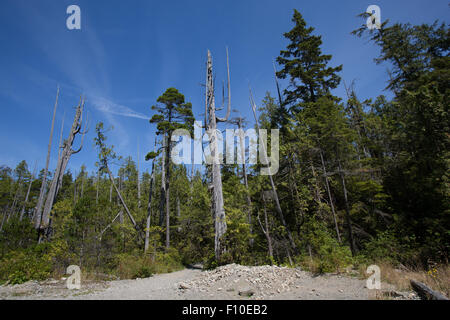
258, 282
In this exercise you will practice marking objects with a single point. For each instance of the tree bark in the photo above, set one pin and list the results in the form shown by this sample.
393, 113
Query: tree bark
169, 148
220, 225
163, 183
425, 292
63, 160
38, 209
149, 205
123, 203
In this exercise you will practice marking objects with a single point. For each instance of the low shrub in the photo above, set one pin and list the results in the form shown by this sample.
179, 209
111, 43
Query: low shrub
137, 265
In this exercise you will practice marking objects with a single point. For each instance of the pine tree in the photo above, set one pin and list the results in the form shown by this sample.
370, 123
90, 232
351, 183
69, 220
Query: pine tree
173, 113
305, 65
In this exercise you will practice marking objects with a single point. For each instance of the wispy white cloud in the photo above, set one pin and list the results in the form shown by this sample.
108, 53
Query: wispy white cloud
107, 106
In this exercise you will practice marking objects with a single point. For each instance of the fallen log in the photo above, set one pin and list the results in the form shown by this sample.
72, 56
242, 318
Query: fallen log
425, 292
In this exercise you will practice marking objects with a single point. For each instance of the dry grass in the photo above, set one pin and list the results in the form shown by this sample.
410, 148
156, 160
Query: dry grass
437, 278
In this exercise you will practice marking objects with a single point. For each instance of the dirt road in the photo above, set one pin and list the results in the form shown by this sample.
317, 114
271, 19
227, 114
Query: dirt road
227, 282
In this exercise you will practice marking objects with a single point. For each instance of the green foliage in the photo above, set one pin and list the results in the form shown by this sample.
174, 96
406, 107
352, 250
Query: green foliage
174, 113
17, 234
329, 255
37, 262
375, 171
388, 246
136, 265
305, 65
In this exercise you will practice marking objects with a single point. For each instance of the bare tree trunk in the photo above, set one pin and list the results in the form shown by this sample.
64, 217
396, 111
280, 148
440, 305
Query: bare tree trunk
329, 197
40, 203
108, 226
216, 177
123, 203
28, 191
61, 135
169, 144
149, 207
63, 160
163, 183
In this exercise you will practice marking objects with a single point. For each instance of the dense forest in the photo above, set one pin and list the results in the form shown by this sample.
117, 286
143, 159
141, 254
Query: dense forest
359, 182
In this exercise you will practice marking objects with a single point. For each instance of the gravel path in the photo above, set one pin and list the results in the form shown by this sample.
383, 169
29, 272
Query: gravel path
227, 282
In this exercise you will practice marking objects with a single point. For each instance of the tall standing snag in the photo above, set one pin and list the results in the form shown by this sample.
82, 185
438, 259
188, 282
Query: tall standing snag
216, 177
149, 205
63, 160
40, 203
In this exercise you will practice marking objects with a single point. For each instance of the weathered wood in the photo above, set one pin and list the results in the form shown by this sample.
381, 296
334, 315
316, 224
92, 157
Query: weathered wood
167, 197
61, 135
218, 210
425, 292
61, 166
163, 183
40, 203
130, 216
108, 226
149, 205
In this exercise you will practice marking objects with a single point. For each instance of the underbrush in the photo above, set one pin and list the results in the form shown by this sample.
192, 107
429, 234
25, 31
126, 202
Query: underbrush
37, 262
50, 260
136, 265
437, 277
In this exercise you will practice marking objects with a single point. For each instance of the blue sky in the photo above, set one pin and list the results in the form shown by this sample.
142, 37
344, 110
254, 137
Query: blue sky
128, 52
